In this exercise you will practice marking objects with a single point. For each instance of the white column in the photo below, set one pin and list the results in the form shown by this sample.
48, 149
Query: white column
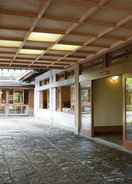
7, 104
77, 99
54, 94
36, 98
50, 93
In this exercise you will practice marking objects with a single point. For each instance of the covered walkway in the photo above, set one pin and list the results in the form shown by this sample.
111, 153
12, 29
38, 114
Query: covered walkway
34, 153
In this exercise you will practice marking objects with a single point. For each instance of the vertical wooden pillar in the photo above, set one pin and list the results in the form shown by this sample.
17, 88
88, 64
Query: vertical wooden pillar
77, 100
50, 92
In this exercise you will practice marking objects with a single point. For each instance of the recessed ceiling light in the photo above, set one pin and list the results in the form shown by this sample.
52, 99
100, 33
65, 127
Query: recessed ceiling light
44, 37
30, 51
10, 43
65, 47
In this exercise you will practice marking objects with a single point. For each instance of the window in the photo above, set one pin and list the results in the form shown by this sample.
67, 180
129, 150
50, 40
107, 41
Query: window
65, 99
10, 96
26, 97
18, 97
44, 82
3, 96
65, 75
60, 77
44, 100
69, 74
85, 100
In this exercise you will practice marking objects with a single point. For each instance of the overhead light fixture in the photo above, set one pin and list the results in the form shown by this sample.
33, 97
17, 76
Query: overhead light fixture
65, 47
44, 37
115, 78
30, 51
10, 43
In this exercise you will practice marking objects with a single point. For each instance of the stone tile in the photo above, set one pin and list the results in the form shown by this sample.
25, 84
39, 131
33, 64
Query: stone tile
34, 153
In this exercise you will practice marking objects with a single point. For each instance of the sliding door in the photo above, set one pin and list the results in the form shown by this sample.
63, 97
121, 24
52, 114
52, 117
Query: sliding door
86, 108
127, 128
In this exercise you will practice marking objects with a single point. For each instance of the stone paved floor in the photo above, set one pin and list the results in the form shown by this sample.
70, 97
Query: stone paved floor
33, 153
114, 138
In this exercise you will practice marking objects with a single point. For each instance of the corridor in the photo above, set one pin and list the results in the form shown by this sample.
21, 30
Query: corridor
34, 153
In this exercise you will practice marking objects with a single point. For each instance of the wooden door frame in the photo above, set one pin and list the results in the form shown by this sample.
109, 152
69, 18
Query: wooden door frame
126, 142
82, 131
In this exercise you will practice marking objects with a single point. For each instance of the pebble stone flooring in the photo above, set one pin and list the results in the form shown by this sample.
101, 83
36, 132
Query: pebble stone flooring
34, 153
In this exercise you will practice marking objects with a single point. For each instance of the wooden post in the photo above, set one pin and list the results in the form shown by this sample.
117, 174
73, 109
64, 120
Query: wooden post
107, 60
77, 100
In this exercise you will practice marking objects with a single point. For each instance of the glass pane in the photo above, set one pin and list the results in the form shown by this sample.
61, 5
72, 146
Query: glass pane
18, 97
10, 96
3, 96
129, 108
85, 100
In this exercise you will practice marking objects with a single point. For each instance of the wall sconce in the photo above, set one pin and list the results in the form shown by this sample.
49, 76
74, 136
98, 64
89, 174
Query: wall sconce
114, 79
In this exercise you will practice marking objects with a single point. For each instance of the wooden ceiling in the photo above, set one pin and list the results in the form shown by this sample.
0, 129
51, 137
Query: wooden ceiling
96, 26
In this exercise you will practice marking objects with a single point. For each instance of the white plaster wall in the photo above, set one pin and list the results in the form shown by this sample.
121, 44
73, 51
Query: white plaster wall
60, 119
67, 120
107, 102
45, 115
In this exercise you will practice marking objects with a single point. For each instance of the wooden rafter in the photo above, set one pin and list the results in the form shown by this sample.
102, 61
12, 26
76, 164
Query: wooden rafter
39, 16
25, 67
74, 26
4, 11
94, 44
99, 36
116, 45
57, 31
53, 18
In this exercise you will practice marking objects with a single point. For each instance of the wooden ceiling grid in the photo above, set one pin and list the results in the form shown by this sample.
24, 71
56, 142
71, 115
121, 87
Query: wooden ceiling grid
94, 30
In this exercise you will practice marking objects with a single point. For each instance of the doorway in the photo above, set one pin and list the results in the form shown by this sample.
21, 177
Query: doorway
108, 109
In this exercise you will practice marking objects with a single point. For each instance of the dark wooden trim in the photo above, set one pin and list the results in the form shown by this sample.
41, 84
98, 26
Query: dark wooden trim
92, 110
127, 145
108, 129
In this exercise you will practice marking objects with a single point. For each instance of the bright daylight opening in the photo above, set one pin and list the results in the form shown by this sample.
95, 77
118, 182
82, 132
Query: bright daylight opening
16, 96
11, 74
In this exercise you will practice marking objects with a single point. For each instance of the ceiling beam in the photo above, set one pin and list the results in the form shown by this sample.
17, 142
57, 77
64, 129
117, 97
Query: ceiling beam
34, 24
34, 66
74, 26
10, 12
39, 48
45, 57
53, 18
6, 66
40, 61
107, 31
56, 31
4, 11
107, 60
